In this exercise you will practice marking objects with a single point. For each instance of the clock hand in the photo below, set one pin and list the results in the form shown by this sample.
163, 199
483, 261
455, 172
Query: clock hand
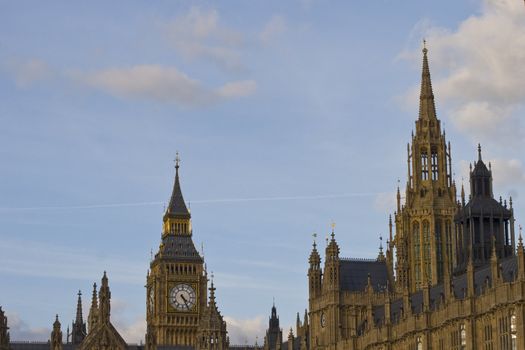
185, 301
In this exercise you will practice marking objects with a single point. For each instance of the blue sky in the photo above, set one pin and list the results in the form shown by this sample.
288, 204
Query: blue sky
287, 115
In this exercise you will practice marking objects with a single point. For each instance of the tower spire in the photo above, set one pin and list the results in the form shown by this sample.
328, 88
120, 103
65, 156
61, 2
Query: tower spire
177, 206
427, 108
78, 318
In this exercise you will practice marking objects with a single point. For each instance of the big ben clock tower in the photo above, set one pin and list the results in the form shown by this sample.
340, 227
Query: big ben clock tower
176, 283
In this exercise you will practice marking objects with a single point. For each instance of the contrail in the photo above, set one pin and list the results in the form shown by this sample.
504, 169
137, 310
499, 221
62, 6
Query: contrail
202, 201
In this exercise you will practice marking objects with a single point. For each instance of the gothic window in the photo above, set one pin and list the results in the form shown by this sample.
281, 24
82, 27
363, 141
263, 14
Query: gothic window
463, 335
513, 333
419, 343
417, 253
434, 164
504, 334
426, 250
487, 336
424, 165
448, 241
439, 249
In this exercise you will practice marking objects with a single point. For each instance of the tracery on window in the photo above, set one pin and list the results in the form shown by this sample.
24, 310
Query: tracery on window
424, 165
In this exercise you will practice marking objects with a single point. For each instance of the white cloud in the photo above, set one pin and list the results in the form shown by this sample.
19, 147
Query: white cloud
242, 331
275, 26
199, 34
481, 70
508, 173
29, 72
163, 84
237, 89
132, 332
19, 330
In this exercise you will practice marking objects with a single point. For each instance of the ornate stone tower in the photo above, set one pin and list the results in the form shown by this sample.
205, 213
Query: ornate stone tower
56, 336
78, 329
212, 334
4, 331
423, 239
177, 281
274, 333
483, 225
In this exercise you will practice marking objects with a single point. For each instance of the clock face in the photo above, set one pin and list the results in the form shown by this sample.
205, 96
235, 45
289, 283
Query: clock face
182, 297
323, 320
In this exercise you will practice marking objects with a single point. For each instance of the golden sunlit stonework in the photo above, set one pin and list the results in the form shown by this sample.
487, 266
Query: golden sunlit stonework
451, 277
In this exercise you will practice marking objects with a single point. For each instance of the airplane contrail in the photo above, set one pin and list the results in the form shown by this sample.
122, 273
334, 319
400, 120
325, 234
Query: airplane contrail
202, 201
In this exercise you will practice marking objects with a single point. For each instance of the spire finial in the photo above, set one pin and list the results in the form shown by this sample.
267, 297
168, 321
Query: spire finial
177, 160
314, 235
479, 151
425, 50
333, 229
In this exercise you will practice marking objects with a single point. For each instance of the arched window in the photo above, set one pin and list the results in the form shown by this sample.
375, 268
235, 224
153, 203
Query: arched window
513, 332
463, 336
434, 164
417, 252
427, 258
424, 165
419, 343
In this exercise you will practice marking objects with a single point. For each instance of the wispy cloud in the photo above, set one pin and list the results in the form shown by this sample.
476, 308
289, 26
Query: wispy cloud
28, 72
245, 331
21, 331
162, 84
273, 28
199, 34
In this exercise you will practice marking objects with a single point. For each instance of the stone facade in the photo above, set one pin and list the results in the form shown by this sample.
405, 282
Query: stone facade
459, 281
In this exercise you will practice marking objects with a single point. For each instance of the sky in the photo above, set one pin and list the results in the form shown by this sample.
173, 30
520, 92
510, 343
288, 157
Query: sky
288, 116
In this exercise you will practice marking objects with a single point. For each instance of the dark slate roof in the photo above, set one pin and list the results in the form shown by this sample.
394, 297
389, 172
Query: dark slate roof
177, 207
353, 274
480, 169
488, 204
178, 347
179, 247
509, 268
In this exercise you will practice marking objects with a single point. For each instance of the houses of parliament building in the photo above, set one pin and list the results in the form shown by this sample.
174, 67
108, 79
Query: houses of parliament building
451, 277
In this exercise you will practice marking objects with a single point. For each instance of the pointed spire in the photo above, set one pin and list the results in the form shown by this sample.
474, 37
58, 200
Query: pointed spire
94, 302
462, 193
104, 296
390, 227
212, 292
479, 152
427, 109
177, 206
381, 255
78, 318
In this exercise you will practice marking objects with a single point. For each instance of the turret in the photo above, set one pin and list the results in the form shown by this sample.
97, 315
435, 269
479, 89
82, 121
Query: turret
314, 272
521, 258
331, 265
56, 336
290, 339
93, 311
78, 329
4, 331
104, 297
